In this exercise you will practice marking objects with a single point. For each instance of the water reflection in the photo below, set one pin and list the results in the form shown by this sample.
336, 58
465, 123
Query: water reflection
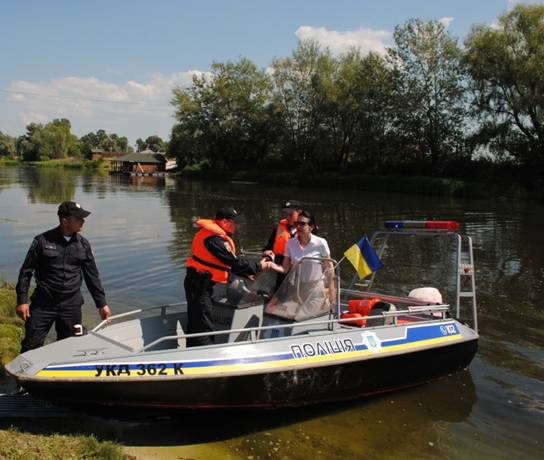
97, 181
416, 418
139, 181
7, 179
46, 185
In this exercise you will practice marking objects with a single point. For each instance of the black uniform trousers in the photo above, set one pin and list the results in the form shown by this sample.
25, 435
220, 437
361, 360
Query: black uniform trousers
198, 292
278, 259
41, 319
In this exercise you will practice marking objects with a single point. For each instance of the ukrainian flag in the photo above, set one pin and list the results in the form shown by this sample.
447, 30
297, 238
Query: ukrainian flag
363, 257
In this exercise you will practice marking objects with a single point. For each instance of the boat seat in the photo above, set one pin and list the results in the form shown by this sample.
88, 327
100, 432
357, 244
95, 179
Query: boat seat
289, 326
227, 316
140, 332
378, 309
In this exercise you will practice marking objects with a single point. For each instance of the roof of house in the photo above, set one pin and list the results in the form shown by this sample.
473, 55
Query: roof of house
140, 157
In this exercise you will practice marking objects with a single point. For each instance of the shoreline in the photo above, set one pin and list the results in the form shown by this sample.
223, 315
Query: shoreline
394, 183
21, 437
79, 435
68, 163
390, 183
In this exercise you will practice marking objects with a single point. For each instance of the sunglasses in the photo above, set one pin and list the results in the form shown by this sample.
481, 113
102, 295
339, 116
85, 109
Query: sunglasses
301, 224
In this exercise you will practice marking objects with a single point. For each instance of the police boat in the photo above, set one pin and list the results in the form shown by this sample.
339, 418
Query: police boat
313, 340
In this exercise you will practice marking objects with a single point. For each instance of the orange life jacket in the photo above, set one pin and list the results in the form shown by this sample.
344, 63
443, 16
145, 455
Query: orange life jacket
203, 260
359, 308
282, 237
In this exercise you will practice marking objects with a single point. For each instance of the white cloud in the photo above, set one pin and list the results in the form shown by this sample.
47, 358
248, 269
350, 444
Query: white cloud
133, 108
341, 41
446, 21
33, 117
17, 97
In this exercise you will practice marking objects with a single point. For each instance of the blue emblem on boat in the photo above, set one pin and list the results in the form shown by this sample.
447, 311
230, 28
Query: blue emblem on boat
372, 342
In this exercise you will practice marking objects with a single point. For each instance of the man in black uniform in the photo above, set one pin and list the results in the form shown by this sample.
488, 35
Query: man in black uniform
213, 258
58, 258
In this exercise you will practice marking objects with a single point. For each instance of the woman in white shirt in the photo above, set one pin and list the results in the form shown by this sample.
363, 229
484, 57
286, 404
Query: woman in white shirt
313, 274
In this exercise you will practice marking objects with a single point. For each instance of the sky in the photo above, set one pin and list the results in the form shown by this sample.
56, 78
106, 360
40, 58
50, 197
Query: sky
112, 64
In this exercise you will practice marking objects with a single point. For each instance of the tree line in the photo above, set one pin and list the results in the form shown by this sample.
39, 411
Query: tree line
428, 105
54, 140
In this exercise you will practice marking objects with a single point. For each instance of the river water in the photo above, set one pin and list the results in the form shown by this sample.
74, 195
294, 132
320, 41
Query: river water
141, 230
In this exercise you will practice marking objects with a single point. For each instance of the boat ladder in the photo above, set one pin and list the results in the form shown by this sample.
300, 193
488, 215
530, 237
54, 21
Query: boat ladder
466, 282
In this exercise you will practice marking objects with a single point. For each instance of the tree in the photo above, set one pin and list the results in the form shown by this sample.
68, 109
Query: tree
430, 104
154, 143
188, 142
223, 117
7, 145
57, 141
506, 63
140, 145
27, 144
51, 141
301, 83
102, 141
358, 110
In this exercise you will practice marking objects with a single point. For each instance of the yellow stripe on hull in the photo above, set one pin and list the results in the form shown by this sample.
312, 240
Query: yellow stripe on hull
245, 367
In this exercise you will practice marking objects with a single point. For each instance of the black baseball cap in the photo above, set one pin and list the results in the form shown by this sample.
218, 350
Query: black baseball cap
291, 206
227, 213
71, 208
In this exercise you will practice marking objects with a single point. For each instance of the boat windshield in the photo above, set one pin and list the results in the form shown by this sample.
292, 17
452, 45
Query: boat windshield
309, 290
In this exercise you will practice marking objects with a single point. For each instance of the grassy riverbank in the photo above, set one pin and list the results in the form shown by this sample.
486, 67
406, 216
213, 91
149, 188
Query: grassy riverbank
420, 185
16, 445
9, 162
68, 163
11, 327
19, 444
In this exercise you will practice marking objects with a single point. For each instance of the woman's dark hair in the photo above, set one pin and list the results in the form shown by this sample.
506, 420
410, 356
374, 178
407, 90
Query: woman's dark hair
311, 220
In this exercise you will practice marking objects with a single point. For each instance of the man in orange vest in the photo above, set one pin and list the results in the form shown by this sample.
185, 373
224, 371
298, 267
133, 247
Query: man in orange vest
213, 257
285, 230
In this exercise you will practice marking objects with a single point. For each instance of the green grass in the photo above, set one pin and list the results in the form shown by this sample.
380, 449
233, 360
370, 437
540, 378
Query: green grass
69, 163
16, 445
8, 299
9, 162
11, 327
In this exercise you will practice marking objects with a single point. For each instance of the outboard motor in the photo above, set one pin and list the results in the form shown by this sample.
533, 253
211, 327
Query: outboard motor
430, 295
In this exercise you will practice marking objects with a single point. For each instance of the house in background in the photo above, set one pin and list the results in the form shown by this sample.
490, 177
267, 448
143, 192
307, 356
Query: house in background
142, 163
